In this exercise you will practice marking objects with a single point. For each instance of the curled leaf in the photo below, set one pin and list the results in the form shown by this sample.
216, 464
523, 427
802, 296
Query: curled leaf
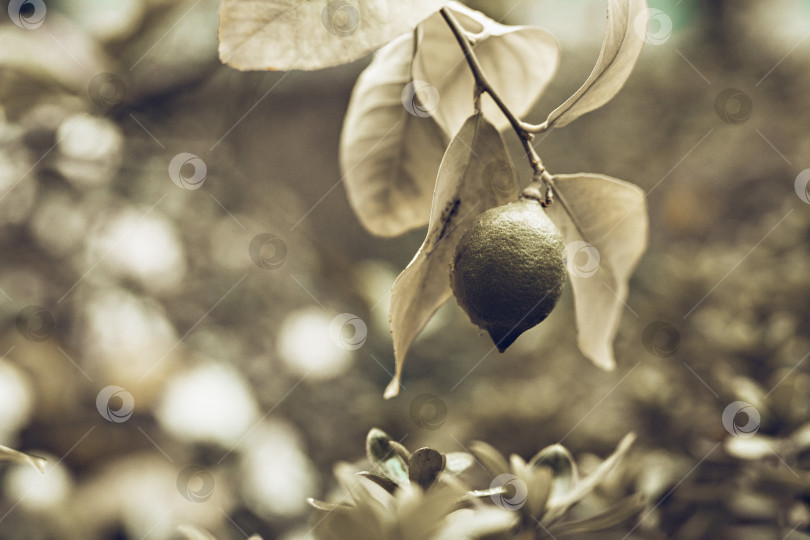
476, 174
562, 466
519, 62
388, 456
604, 224
624, 39
559, 506
311, 34
323, 505
9, 454
390, 149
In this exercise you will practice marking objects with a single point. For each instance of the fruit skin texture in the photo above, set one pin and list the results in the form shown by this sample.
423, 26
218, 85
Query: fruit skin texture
508, 270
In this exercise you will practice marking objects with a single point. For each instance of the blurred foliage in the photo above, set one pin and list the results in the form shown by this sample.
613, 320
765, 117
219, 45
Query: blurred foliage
114, 276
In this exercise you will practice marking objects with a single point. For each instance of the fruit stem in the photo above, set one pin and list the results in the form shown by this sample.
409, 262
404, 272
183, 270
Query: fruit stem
521, 128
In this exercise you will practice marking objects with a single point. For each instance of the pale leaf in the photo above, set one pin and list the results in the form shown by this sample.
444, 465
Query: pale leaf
612, 517
584, 487
481, 522
492, 460
458, 462
9, 454
476, 174
609, 231
323, 505
311, 34
624, 38
518, 61
389, 157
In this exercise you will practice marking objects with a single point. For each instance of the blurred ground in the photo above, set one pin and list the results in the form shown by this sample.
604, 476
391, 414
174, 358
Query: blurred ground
217, 339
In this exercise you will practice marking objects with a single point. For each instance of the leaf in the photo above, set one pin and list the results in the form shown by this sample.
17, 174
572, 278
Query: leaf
482, 522
492, 460
9, 454
388, 485
366, 508
518, 61
563, 469
612, 517
389, 157
458, 462
422, 514
355, 522
387, 455
559, 506
311, 34
603, 222
476, 174
323, 505
540, 486
624, 38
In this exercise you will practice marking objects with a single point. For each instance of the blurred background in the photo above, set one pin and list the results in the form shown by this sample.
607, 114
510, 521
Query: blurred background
193, 324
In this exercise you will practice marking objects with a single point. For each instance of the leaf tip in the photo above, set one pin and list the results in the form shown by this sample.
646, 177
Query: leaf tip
392, 390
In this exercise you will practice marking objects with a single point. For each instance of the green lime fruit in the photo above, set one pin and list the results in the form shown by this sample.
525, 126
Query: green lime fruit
508, 270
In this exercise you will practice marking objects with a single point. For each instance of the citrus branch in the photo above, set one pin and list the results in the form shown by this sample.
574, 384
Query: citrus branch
521, 129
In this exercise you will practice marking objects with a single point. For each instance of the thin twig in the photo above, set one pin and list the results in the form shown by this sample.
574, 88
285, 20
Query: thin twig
522, 129
483, 84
